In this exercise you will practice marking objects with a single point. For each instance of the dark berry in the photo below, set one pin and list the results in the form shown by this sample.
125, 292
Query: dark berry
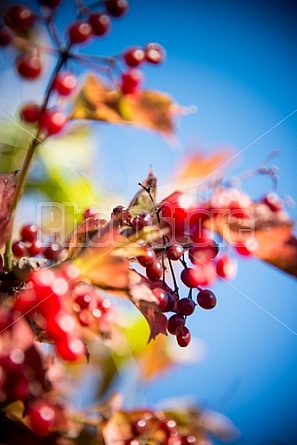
52, 121
19, 249
133, 56
154, 53
206, 299
52, 251
148, 258
175, 252
185, 306
175, 322
35, 248
83, 300
205, 250
138, 427
5, 36
183, 336
123, 215
169, 426
189, 277
29, 232
130, 82
100, 23
29, 67
52, 4
20, 17
70, 349
170, 304
79, 32
155, 271
65, 83
117, 8
141, 221
30, 113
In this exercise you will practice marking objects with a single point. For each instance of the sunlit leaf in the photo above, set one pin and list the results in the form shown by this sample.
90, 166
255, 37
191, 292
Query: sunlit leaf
8, 182
144, 199
149, 109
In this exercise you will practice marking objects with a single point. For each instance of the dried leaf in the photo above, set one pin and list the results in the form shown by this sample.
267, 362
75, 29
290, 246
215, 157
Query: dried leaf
156, 320
270, 232
148, 109
8, 183
82, 235
144, 199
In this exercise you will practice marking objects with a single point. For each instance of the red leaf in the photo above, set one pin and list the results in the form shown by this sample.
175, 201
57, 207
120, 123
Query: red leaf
7, 189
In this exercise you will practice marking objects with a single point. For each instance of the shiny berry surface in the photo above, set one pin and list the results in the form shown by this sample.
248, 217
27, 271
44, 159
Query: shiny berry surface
131, 81
30, 113
162, 297
175, 252
65, 83
79, 32
116, 8
148, 258
29, 232
52, 121
154, 53
175, 322
42, 417
189, 277
19, 249
100, 23
185, 306
183, 336
29, 67
206, 299
20, 17
134, 56
155, 271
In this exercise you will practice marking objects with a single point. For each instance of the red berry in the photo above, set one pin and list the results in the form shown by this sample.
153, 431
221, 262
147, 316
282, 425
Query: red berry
154, 53
205, 250
246, 249
141, 221
162, 297
35, 248
70, 349
131, 81
5, 35
183, 336
148, 258
273, 201
53, 121
29, 67
122, 214
79, 32
226, 267
30, 113
42, 417
117, 8
133, 56
185, 306
29, 232
189, 278
50, 3
155, 271
175, 322
169, 426
65, 83
19, 249
175, 252
51, 252
20, 17
83, 300
206, 299
138, 427
100, 23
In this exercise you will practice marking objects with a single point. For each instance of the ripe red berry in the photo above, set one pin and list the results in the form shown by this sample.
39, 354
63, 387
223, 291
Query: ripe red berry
52, 251
183, 337
29, 232
185, 306
42, 417
35, 248
20, 17
148, 258
29, 67
189, 278
246, 249
70, 349
19, 249
175, 322
100, 23
83, 300
65, 83
175, 252
138, 427
155, 271
79, 32
122, 214
162, 297
226, 267
154, 53
133, 56
30, 113
5, 35
206, 299
52, 121
205, 250
273, 201
130, 82
116, 8
141, 221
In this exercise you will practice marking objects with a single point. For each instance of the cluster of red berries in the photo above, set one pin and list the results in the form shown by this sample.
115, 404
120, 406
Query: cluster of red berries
30, 244
164, 428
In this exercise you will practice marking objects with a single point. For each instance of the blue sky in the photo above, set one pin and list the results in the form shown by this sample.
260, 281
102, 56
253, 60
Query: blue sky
236, 62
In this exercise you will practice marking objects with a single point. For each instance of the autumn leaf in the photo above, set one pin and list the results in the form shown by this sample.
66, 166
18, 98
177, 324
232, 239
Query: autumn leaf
144, 199
270, 233
8, 183
82, 235
149, 109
